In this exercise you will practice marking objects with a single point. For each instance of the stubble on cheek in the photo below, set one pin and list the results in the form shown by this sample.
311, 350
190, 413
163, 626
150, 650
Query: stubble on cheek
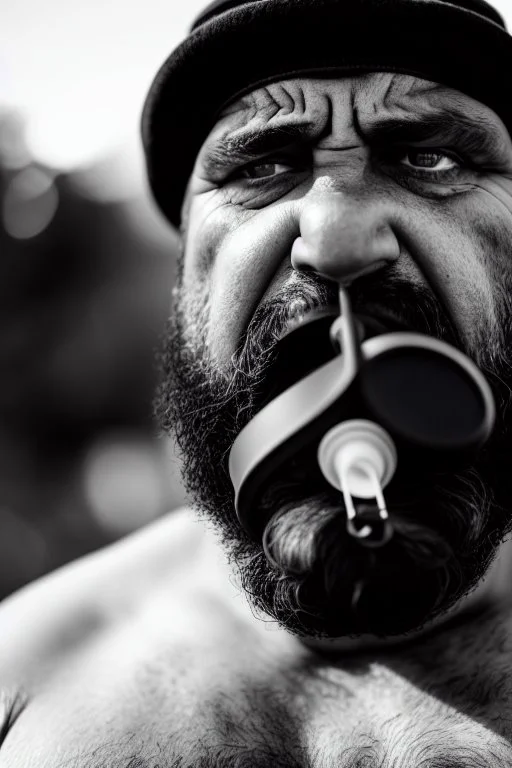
193, 291
493, 246
472, 273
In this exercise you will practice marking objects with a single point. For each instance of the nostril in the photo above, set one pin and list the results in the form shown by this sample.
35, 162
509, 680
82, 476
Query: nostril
305, 258
299, 254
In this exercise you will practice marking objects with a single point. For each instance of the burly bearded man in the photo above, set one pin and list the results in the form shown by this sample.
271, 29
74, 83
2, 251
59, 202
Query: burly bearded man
302, 147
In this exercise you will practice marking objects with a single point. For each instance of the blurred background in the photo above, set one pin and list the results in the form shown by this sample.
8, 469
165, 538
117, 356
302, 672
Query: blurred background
87, 268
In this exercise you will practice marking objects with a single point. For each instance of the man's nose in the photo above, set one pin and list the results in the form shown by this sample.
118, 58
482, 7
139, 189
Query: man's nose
343, 237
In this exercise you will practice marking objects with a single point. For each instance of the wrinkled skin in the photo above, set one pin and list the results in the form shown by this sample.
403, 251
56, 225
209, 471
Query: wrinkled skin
356, 208
402, 190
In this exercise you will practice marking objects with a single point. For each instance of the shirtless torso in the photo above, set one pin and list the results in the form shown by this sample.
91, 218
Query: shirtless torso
146, 655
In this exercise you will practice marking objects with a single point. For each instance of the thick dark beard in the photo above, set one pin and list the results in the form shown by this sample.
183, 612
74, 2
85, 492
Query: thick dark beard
311, 576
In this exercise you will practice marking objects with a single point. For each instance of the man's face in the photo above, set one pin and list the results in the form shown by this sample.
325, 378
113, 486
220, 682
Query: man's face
402, 190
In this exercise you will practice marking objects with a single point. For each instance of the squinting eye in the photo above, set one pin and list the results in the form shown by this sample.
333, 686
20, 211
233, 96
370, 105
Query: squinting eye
263, 170
428, 161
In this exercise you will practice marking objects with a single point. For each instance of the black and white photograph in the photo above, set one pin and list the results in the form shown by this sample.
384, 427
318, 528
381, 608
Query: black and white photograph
256, 384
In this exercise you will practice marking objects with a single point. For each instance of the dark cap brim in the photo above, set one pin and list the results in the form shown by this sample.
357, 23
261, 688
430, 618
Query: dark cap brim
258, 42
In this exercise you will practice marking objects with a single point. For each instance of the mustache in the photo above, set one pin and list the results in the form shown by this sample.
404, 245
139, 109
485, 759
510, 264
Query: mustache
384, 295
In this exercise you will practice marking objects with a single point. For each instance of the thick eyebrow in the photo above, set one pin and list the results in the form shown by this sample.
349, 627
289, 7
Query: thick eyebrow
477, 135
467, 759
250, 143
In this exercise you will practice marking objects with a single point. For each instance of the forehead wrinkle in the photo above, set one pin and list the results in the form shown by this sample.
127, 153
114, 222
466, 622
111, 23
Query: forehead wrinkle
280, 96
412, 96
274, 104
382, 90
284, 99
376, 94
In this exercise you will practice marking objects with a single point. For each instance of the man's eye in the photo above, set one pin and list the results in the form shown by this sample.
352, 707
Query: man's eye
428, 160
263, 170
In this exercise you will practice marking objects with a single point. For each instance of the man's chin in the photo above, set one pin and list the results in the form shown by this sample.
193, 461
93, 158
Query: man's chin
315, 580
379, 606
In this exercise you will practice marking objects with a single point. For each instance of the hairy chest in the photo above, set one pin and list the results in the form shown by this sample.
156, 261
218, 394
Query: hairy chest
137, 700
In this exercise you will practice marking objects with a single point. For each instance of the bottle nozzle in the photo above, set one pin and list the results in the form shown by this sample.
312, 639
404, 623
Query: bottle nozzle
359, 458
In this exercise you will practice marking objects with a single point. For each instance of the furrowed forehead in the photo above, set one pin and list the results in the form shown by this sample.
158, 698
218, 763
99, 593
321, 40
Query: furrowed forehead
389, 90
301, 108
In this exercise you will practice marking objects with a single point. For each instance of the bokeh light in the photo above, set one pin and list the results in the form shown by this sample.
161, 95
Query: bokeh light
79, 72
124, 483
30, 203
14, 153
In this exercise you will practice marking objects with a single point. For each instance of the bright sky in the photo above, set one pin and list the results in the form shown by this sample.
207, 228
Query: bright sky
79, 70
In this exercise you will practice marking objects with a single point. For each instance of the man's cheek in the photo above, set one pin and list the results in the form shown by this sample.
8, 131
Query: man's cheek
454, 248
492, 230
216, 281
247, 261
496, 191
208, 226
494, 248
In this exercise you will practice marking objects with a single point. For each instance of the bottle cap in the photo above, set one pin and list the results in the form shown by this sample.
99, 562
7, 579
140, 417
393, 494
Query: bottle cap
355, 453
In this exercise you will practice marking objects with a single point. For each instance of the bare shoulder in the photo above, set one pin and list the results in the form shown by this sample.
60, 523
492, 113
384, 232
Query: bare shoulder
43, 622
125, 656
